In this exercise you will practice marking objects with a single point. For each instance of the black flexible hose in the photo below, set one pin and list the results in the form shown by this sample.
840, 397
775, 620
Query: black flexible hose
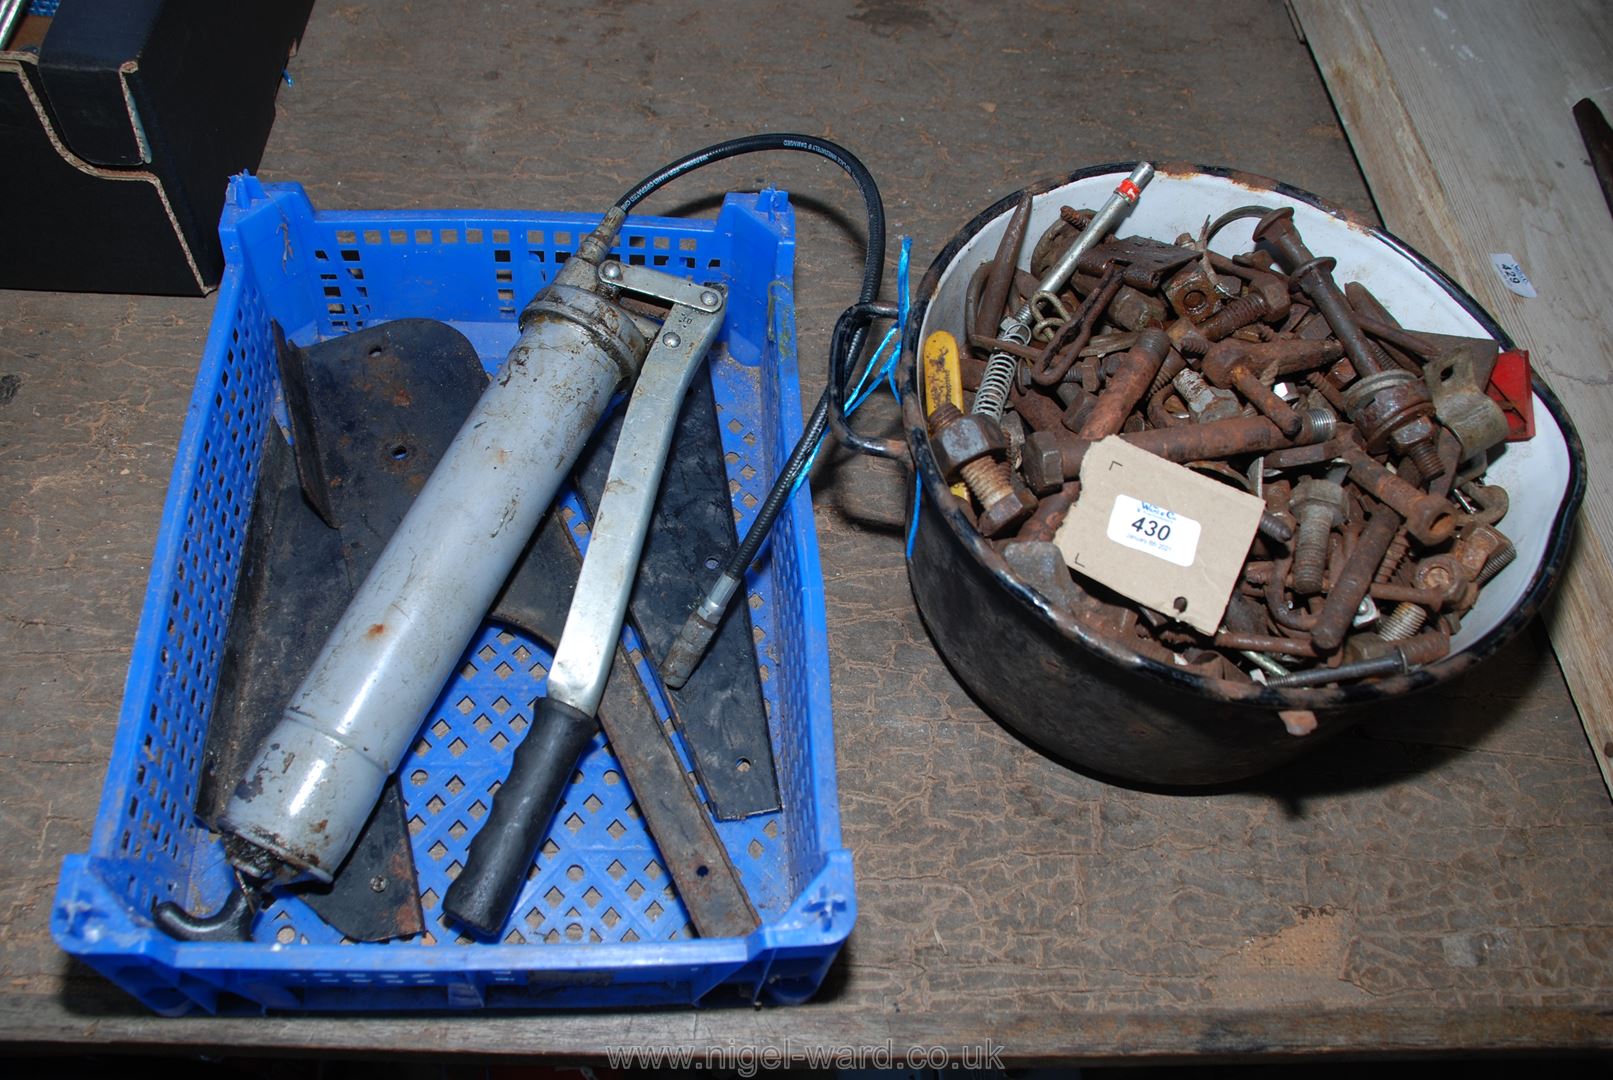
690, 645
852, 321
873, 273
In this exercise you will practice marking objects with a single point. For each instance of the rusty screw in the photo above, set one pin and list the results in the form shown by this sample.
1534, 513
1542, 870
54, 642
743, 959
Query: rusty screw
969, 447
1206, 402
1235, 313
1339, 609
1133, 375
1429, 518
1319, 505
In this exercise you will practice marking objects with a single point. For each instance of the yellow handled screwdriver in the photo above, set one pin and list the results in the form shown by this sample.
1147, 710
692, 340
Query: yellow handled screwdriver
943, 381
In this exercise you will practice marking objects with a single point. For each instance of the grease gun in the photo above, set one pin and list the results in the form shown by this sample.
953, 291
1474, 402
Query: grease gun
320, 771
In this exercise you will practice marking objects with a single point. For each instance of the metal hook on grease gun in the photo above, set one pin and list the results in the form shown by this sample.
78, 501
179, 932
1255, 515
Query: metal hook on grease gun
299, 808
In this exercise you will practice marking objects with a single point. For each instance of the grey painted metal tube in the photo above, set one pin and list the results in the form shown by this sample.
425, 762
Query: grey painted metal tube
319, 773
1107, 217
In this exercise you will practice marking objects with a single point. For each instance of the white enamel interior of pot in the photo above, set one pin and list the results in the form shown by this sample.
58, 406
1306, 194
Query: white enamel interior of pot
1535, 473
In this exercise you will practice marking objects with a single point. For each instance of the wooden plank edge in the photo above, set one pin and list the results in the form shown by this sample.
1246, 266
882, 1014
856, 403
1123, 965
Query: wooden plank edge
1401, 173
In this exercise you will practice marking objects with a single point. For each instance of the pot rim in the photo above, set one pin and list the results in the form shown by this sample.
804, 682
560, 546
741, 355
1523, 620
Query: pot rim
1362, 692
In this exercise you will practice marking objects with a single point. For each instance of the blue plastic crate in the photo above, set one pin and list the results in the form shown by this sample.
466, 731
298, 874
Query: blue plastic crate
599, 923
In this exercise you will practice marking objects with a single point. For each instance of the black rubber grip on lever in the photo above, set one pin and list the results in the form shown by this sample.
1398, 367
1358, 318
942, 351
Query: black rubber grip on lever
523, 811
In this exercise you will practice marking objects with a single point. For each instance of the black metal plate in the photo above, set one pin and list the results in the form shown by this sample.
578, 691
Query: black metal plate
719, 710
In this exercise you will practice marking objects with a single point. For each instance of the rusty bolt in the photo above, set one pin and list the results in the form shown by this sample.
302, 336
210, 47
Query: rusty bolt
1008, 510
967, 447
1275, 528
1393, 409
1315, 277
1484, 551
1186, 337
1186, 442
1042, 462
1338, 610
1207, 403
1429, 518
1320, 426
1446, 575
1218, 439
1262, 285
1319, 506
1240, 365
1234, 313
1273, 292
1408, 405
956, 439
1403, 622
1405, 656
1134, 373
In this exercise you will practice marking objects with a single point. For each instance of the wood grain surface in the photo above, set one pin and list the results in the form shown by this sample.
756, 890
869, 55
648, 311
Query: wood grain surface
1440, 879
1460, 116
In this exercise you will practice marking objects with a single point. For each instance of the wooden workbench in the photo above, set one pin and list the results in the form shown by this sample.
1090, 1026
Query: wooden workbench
1439, 880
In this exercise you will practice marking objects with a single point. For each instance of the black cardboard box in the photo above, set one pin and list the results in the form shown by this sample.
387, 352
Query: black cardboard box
121, 122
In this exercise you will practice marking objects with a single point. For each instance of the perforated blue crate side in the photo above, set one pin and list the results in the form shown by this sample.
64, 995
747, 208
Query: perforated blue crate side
599, 883
145, 814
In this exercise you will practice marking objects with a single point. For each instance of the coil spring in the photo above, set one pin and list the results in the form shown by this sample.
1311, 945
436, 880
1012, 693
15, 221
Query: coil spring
995, 384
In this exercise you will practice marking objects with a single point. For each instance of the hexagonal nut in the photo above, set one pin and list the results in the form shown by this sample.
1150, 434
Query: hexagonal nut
1042, 462
1007, 512
962, 441
1323, 493
1449, 576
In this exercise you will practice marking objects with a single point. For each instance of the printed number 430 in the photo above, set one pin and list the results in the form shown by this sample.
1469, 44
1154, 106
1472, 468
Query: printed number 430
1153, 530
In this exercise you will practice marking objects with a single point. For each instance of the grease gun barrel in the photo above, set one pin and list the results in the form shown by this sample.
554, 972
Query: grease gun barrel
318, 775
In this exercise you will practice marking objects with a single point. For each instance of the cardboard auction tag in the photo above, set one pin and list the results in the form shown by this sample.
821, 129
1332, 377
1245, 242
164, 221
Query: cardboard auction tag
1159, 533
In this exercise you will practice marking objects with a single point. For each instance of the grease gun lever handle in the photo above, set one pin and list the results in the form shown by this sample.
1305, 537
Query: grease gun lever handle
564, 724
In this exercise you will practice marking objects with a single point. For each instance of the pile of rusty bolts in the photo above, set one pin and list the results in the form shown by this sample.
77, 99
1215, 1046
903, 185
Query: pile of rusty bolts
1366, 441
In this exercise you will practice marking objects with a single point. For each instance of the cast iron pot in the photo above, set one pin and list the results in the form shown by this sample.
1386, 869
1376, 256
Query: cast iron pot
1098, 704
